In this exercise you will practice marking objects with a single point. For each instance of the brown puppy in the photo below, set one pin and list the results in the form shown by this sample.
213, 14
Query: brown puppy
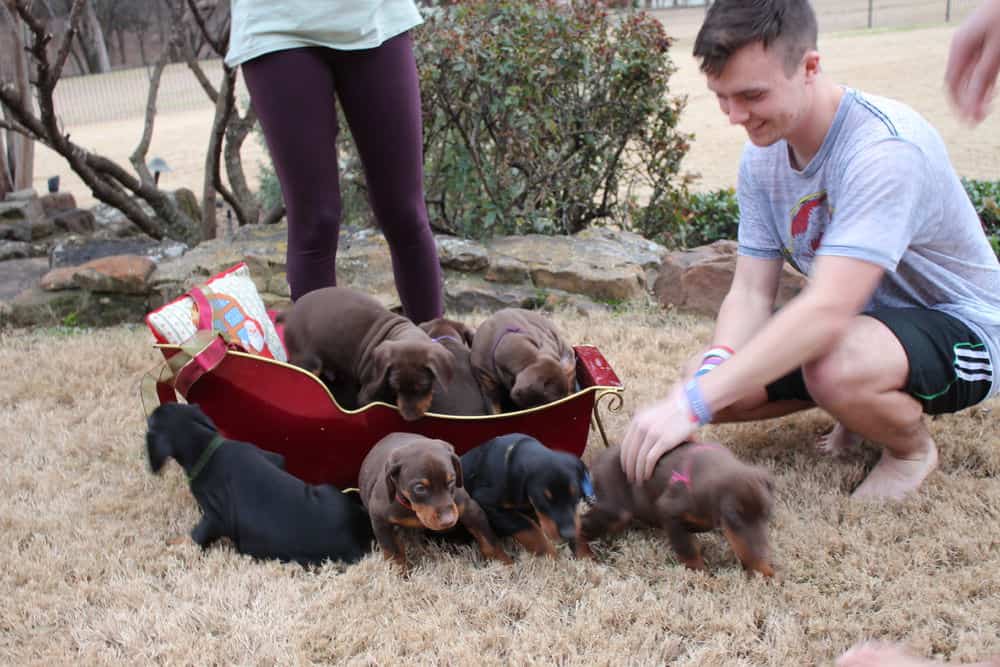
694, 488
462, 396
411, 481
518, 356
363, 352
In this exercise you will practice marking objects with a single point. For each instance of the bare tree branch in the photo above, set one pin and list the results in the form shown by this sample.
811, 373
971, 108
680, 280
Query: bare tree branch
109, 182
138, 157
218, 44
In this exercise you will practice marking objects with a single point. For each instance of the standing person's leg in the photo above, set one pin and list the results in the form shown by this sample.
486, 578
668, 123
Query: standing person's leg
380, 94
293, 94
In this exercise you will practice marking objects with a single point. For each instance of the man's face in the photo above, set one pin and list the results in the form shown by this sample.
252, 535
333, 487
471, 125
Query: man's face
755, 91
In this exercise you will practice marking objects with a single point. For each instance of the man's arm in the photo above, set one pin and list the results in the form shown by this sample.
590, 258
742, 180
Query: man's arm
810, 324
799, 332
746, 307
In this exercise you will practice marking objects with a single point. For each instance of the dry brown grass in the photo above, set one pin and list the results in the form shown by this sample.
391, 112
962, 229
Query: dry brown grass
89, 579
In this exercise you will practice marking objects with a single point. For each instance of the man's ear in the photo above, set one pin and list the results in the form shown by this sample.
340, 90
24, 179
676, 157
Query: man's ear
377, 374
441, 363
158, 450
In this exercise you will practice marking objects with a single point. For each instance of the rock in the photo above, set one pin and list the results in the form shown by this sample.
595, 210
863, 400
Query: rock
121, 274
463, 294
505, 269
75, 221
54, 203
27, 194
16, 230
600, 264
263, 247
58, 279
35, 307
17, 275
41, 229
667, 286
14, 250
462, 254
18, 210
77, 250
699, 279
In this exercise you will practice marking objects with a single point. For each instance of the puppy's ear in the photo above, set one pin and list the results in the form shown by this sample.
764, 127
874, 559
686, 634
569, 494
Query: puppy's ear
441, 363
392, 469
465, 332
201, 418
586, 484
378, 371
158, 449
456, 463
568, 364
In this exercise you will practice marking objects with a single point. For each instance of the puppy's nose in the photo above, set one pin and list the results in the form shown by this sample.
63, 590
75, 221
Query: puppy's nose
447, 517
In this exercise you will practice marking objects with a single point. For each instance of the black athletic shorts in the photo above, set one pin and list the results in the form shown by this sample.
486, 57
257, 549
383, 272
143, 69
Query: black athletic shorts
949, 365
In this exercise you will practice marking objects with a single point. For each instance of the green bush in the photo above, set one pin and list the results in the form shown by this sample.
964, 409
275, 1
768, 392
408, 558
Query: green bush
692, 219
688, 219
540, 117
985, 196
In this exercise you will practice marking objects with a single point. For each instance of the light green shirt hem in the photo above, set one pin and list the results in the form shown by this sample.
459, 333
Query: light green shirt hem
264, 26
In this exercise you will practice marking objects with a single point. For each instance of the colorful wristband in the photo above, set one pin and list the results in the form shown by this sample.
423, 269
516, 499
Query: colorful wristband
696, 400
714, 357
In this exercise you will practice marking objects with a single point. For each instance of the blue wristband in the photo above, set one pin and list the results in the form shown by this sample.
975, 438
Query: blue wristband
692, 391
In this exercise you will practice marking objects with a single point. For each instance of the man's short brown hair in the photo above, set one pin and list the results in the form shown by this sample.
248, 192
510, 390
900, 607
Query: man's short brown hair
732, 24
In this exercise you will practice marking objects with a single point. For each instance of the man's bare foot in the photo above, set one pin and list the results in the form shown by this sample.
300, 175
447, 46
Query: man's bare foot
892, 478
838, 442
879, 654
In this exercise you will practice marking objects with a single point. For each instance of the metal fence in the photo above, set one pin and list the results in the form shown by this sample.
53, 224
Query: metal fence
121, 94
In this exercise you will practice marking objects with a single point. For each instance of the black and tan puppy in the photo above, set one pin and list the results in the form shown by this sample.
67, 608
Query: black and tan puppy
694, 488
528, 491
364, 352
246, 495
409, 481
518, 356
463, 395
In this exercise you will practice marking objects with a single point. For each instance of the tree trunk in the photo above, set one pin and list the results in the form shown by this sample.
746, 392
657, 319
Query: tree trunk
94, 45
6, 183
22, 149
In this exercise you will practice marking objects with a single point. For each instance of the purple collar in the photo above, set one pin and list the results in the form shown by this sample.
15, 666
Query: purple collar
441, 338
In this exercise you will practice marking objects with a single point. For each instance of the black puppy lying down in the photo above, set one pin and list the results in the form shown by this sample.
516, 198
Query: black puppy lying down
246, 495
528, 491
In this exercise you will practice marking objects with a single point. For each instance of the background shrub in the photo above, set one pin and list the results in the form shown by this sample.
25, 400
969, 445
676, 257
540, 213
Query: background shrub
985, 196
540, 117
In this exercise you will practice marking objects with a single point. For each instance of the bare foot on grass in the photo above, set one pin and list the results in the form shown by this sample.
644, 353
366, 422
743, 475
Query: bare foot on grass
892, 478
839, 442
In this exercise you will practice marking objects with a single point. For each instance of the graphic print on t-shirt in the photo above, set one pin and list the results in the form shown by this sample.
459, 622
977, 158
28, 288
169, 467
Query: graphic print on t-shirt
805, 232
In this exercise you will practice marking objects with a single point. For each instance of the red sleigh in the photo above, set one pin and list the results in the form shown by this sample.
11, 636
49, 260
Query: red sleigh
288, 410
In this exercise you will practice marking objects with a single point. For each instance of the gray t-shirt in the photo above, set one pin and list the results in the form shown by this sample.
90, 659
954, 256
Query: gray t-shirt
880, 189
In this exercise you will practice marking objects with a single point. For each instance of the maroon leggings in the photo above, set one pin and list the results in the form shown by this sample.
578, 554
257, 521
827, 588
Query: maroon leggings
294, 93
